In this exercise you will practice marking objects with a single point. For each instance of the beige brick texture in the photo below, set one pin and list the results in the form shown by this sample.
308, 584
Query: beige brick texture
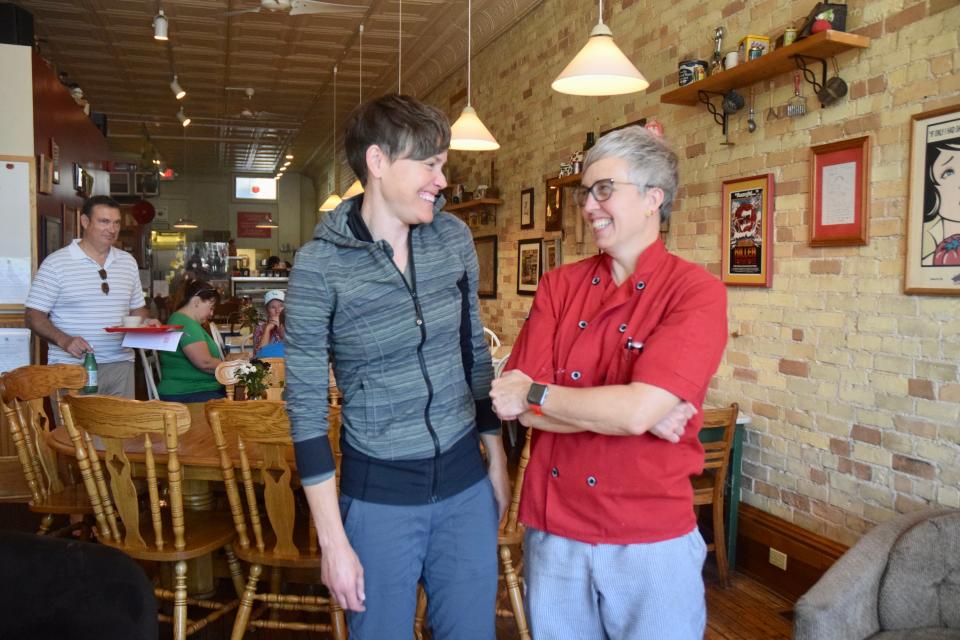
852, 385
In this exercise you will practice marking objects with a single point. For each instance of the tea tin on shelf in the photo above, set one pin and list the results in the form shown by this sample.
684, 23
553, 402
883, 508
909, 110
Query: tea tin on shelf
691, 71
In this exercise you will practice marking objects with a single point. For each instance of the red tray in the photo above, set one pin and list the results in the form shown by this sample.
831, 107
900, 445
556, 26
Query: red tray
163, 328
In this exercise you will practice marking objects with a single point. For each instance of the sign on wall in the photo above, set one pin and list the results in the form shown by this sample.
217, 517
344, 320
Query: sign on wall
247, 224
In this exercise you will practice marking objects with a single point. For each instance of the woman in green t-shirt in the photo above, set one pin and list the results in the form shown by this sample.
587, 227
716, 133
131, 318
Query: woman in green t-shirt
188, 372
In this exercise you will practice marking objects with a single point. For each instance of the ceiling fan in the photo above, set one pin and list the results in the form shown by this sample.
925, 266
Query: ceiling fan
299, 7
248, 112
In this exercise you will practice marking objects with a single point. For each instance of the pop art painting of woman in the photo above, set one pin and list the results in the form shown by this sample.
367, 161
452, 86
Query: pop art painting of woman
933, 210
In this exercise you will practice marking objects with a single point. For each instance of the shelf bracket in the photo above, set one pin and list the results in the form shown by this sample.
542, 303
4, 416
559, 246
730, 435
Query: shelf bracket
719, 115
804, 63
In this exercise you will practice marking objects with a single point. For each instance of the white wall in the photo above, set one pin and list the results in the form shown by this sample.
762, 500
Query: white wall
16, 105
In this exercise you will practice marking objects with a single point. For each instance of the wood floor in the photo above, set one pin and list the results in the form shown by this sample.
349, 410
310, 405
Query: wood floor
746, 610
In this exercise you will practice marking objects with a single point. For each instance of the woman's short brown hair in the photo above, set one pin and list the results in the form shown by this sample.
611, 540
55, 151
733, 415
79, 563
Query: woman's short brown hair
201, 289
403, 127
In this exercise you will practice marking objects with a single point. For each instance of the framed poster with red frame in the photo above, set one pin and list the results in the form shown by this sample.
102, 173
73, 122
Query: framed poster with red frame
840, 193
746, 256
247, 222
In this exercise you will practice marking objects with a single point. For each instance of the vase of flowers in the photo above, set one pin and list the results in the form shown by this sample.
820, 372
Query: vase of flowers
252, 376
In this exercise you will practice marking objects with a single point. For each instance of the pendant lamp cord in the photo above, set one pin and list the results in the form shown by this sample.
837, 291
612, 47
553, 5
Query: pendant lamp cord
361, 64
336, 165
469, 45
600, 18
400, 49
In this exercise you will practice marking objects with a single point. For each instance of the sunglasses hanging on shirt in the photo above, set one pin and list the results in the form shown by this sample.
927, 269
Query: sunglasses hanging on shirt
104, 286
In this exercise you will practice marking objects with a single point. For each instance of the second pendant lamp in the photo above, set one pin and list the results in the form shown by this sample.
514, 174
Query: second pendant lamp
468, 133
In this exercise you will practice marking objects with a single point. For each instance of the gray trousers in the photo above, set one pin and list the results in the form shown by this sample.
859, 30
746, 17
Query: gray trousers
617, 592
450, 546
116, 379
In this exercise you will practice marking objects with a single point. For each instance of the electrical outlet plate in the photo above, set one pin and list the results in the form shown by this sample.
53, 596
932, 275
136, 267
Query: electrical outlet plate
778, 559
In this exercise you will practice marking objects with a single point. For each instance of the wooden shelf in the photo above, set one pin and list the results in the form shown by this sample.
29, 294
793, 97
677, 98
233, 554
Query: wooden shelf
573, 178
821, 45
472, 204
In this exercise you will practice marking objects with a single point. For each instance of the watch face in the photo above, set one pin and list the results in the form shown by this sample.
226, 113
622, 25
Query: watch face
536, 393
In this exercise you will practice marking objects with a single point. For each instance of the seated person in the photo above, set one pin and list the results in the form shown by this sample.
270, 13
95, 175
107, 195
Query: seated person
274, 349
271, 330
188, 372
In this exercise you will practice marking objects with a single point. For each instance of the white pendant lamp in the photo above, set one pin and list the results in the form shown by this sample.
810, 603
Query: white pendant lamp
178, 91
267, 223
185, 223
468, 133
333, 200
600, 69
354, 189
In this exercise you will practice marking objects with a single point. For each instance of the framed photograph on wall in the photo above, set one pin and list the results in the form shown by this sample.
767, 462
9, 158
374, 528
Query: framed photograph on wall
528, 266
552, 253
554, 209
933, 207
55, 160
44, 174
746, 241
77, 228
526, 209
52, 236
486, 247
840, 192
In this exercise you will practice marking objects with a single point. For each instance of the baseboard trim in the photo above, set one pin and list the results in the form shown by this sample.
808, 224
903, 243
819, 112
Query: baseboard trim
809, 555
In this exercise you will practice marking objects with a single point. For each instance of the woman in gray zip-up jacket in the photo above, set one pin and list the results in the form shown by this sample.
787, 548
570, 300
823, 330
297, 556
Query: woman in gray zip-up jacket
388, 287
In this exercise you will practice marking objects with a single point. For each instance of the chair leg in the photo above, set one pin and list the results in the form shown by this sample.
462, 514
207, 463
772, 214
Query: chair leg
338, 621
513, 589
236, 573
45, 523
180, 601
421, 613
720, 543
246, 604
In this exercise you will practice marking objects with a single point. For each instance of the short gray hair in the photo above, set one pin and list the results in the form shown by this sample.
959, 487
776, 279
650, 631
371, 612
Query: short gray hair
649, 160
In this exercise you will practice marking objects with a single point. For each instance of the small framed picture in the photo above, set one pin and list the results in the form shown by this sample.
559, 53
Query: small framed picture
528, 266
55, 160
44, 174
746, 256
840, 192
486, 247
52, 235
933, 209
526, 209
554, 208
552, 253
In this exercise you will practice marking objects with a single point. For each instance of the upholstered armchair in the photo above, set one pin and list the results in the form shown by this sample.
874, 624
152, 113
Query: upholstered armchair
901, 581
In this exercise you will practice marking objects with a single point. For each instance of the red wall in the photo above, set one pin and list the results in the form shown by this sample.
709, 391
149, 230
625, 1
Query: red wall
57, 116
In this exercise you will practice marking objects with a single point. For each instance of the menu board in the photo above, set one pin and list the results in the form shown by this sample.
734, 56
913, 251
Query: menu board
247, 224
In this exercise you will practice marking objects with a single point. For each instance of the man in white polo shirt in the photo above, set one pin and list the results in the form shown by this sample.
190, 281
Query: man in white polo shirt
83, 288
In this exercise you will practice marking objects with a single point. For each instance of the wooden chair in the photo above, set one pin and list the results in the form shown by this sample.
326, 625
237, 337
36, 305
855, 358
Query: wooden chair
169, 533
509, 539
281, 536
708, 488
23, 392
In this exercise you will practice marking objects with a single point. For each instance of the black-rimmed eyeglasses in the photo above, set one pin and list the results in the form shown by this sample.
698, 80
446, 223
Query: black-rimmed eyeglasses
104, 286
601, 190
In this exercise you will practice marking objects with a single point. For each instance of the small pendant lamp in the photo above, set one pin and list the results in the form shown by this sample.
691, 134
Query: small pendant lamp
468, 133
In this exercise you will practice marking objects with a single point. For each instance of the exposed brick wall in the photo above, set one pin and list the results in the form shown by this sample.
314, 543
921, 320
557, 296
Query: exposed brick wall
853, 386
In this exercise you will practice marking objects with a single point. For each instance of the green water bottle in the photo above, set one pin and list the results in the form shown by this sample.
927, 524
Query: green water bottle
90, 364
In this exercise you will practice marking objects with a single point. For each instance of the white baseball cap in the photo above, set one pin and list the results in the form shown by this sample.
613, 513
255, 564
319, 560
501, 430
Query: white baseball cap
274, 294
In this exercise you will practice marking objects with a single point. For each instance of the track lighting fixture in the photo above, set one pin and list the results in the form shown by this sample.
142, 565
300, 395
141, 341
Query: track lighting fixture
183, 118
177, 89
160, 26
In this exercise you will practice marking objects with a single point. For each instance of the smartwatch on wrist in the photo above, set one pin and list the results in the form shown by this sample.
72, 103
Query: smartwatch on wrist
536, 397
